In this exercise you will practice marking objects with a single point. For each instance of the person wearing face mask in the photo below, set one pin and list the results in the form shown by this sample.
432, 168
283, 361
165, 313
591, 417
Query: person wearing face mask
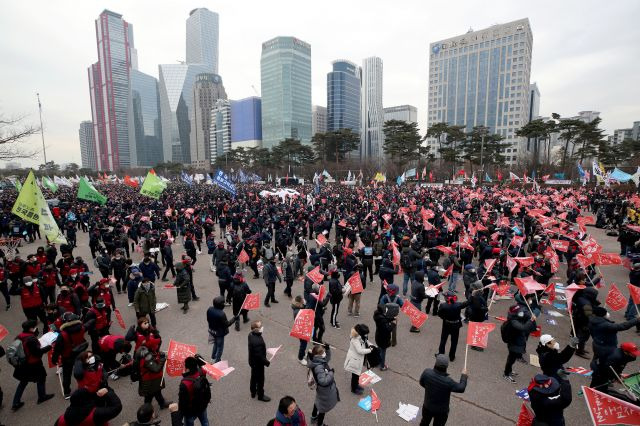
68, 301
358, 348
144, 334
549, 397
257, 361
551, 357
84, 409
32, 268
97, 323
451, 323
119, 268
32, 369
31, 298
605, 332
327, 394
144, 300
110, 346
520, 325
69, 344
50, 281
89, 372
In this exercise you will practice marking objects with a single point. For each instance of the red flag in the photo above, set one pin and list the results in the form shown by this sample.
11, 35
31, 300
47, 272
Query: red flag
511, 264
243, 257
503, 288
212, 371
416, 316
176, 355
584, 261
526, 416
615, 299
489, 264
321, 239
119, 318
315, 275
375, 402
524, 261
303, 325
355, 283
607, 410
606, 259
466, 242
3, 332
251, 302
446, 250
321, 293
634, 292
570, 291
554, 260
499, 175
427, 225
480, 227
342, 223
560, 245
517, 241
551, 292
585, 220
449, 271
478, 333
528, 285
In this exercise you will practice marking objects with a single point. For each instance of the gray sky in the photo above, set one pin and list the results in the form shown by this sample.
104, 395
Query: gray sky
585, 53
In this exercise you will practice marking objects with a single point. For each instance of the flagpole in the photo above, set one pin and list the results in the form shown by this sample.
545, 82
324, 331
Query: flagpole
466, 353
44, 150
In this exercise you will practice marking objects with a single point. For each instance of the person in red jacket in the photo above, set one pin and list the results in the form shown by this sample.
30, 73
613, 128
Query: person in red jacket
4, 288
103, 289
49, 280
144, 334
31, 299
32, 370
68, 301
86, 410
32, 267
110, 347
96, 322
89, 372
69, 344
41, 256
16, 273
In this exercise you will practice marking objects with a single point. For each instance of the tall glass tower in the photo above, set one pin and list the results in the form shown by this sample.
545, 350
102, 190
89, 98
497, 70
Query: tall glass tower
202, 38
343, 96
481, 78
285, 68
144, 122
371, 134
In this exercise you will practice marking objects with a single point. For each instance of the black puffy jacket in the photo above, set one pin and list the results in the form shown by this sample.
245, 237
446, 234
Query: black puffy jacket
437, 389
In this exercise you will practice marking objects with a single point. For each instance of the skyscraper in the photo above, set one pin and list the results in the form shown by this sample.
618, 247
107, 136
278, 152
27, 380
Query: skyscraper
87, 145
285, 68
481, 78
406, 113
207, 89
202, 38
220, 129
372, 116
343, 96
318, 119
246, 123
144, 124
109, 87
176, 94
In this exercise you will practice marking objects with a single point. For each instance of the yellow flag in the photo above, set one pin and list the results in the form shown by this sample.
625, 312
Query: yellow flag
48, 225
26, 205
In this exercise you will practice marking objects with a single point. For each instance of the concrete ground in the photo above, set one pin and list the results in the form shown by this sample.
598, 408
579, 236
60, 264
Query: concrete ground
488, 398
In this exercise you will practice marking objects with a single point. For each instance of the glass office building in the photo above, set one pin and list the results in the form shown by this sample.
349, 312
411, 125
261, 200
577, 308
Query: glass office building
87, 145
202, 38
220, 129
246, 122
285, 70
207, 89
343, 96
482, 78
145, 128
372, 115
406, 113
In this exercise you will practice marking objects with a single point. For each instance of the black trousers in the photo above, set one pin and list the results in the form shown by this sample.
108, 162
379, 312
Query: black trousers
256, 386
169, 267
271, 288
355, 379
435, 302
67, 369
511, 359
452, 330
318, 416
439, 419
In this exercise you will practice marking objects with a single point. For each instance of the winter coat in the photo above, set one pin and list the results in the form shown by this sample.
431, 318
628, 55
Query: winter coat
152, 363
437, 389
218, 322
327, 395
548, 409
32, 370
384, 327
144, 301
355, 356
478, 307
418, 292
469, 278
270, 273
257, 350
149, 270
605, 334
520, 330
335, 290
182, 283
551, 360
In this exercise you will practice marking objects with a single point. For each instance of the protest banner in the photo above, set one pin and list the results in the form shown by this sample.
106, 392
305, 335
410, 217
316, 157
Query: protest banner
303, 325
416, 316
176, 354
251, 302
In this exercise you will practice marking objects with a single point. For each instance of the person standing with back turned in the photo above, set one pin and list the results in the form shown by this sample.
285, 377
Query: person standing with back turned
437, 391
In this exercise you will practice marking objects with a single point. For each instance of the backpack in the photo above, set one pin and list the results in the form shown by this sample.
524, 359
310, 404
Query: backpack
505, 331
368, 251
405, 260
15, 353
391, 308
201, 392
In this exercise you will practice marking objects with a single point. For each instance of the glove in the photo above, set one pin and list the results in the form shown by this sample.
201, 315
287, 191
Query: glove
563, 374
574, 342
268, 363
326, 346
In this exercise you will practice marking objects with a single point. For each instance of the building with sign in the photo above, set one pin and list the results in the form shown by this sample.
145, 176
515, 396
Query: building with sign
482, 78
285, 74
207, 89
372, 112
246, 123
202, 38
343, 96
406, 113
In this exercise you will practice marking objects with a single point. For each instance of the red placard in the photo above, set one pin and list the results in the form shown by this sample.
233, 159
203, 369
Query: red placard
446, 250
478, 333
321, 240
212, 371
417, 317
375, 401
3, 332
615, 299
560, 245
251, 302
176, 355
355, 283
119, 318
524, 261
517, 241
243, 257
303, 325
607, 259
528, 285
634, 292
489, 264
570, 291
525, 418
607, 410
315, 275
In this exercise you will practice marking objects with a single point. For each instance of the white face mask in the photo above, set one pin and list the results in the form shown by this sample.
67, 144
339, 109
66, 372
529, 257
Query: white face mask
91, 360
261, 329
608, 316
556, 346
29, 284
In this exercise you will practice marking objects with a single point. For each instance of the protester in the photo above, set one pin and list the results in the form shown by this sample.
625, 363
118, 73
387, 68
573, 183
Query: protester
144, 300
89, 372
549, 397
518, 326
327, 395
551, 358
239, 291
451, 323
85, 409
69, 344
183, 284
218, 327
150, 365
605, 332
289, 413
194, 394
358, 348
257, 361
437, 391
384, 327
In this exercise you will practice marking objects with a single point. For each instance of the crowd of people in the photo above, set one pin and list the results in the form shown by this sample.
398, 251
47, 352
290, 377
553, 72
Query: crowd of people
452, 248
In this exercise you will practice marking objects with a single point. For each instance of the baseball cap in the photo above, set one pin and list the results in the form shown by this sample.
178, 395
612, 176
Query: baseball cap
545, 338
631, 348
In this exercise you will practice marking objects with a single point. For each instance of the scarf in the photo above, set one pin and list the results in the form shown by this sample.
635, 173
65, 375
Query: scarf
294, 420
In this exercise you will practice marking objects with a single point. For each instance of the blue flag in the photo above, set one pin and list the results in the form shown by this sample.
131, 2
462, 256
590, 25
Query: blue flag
223, 181
581, 171
186, 178
487, 178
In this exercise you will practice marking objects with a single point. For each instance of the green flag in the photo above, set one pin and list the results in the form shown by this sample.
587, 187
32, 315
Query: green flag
152, 186
86, 191
48, 183
26, 205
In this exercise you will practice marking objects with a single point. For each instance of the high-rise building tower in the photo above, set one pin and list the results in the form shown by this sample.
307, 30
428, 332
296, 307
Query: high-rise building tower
109, 87
246, 123
87, 145
285, 68
144, 123
318, 119
343, 96
207, 89
220, 129
406, 113
481, 78
372, 116
202, 38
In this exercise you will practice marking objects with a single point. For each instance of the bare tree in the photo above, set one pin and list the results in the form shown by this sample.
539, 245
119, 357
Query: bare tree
14, 138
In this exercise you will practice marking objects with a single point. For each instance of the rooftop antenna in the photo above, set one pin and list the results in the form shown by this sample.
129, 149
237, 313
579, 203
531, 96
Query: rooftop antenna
254, 89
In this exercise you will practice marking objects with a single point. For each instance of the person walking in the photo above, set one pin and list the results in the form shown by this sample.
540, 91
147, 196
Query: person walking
437, 391
327, 395
218, 327
239, 291
69, 344
358, 348
167, 254
271, 274
194, 393
519, 325
144, 301
451, 323
551, 357
183, 286
296, 305
257, 361
336, 293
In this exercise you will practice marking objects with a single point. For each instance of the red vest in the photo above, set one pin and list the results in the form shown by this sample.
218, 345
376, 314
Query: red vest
66, 303
42, 259
49, 278
30, 299
31, 358
86, 422
101, 319
91, 380
2, 274
107, 343
71, 341
189, 383
81, 291
150, 341
146, 374
105, 294
32, 270
15, 267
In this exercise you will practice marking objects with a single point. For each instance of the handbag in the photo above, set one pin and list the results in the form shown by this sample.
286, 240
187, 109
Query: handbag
373, 358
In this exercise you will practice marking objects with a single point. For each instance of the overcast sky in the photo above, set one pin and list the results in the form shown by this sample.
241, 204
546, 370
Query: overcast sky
586, 54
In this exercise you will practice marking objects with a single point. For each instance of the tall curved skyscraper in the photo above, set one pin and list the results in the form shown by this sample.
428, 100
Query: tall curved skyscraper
371, 135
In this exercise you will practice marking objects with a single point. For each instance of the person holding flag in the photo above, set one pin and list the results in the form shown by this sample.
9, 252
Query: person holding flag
257, 361
323, 377
239, 291
358, 348
551, 357
605, 332
451, 323
437, 391
218, 327
515, 331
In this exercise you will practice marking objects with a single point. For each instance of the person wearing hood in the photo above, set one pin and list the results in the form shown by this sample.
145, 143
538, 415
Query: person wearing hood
96, 322
257, 361
32, 369
617, 360
167, 255
417, 295
327, 395
271, 274
520, 325
151, 366
85, 409
193, 400
336, 293
144, 300
69, 344
135, 278
358, 348
385, 326
549, 397
32, 300
469, 276
288, 413
583, 303
183, 286
218, 327
605, 332
437, 391
223, 272
297, 304
451, 323
551, 357
119, 268
239, 290
218, 254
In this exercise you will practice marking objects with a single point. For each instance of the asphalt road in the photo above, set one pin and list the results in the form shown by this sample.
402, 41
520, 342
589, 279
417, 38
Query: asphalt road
488, 398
